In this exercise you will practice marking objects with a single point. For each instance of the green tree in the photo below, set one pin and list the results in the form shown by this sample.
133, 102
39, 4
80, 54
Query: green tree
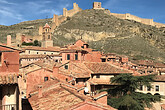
125, 97
36, 43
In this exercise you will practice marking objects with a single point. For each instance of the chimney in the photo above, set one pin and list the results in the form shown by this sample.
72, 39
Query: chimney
8, 40
55, 70
79, 57
39, 91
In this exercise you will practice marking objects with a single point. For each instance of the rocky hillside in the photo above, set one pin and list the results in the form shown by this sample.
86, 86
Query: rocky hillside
110, 34
103, 32
26, 27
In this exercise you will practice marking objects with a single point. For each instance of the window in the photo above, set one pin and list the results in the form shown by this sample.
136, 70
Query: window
48, 36
66, 66
141, 88
76, 56
44, 52
103, 60
37, 52
148, 88
68, 56
156, 88
82, 46
97, 76
45, 78
29, 51
0, 59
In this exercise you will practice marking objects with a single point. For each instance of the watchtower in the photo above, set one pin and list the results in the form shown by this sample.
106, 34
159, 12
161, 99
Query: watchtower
97, 5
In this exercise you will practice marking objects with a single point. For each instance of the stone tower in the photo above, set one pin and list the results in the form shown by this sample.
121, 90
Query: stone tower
97, 5
46, 36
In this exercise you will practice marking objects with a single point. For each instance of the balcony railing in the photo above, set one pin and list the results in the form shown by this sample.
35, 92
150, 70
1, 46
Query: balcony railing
8, 107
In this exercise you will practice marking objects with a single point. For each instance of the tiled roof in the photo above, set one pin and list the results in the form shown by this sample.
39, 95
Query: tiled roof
8, 48
160, 78
57, 96
8, 79
105, 68
46, 25
52, 49
100, 82
73, 48
37, 56
163, 106
159, 65
100, 95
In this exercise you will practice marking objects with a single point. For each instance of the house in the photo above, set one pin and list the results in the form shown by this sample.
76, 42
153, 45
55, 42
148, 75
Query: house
32, 54
79, 52
9, 68
36, 73
93, 75
57, 95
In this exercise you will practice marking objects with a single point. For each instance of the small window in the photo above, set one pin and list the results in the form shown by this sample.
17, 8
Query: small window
76, 56
44, 52
156, 88
29, 51
97, 76
141, 88
68, 56
148, 88
66, 67
0, 59
52, 53
82, 46
103, 60
37, 52
48, 36
45, 78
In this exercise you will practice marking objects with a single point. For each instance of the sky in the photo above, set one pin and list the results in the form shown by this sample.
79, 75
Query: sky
16, 11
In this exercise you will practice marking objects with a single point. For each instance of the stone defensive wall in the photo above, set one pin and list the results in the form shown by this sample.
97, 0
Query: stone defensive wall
70, 13
138, 19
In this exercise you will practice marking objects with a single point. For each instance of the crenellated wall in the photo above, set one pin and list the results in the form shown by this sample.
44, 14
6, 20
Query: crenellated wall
138, 19
72, 12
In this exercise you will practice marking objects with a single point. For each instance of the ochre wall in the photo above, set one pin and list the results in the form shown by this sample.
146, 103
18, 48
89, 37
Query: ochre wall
138, 19
70, 13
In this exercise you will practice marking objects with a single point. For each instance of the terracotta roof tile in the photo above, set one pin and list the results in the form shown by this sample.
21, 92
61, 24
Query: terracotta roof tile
105, 68
61, 97
8, 79
163, 106
46, 25
52, 49
160, 78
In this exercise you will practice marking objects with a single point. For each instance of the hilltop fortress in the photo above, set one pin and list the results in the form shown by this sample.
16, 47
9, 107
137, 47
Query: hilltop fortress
58, 19
97, 5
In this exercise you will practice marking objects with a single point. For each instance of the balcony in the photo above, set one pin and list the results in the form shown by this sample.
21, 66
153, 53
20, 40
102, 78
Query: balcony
8, 107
